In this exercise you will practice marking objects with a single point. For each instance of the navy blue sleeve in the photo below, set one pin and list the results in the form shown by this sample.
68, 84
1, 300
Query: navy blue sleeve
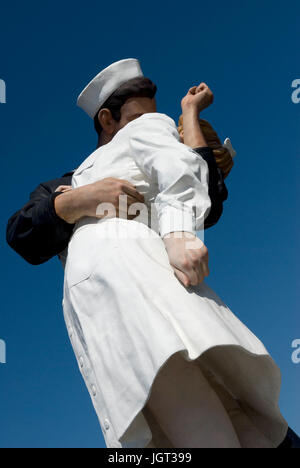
35, 231
217, 190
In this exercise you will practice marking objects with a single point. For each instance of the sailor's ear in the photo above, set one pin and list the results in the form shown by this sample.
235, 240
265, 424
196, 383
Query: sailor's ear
106, 120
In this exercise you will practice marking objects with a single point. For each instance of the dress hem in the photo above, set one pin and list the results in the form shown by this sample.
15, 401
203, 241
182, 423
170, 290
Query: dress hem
186, 354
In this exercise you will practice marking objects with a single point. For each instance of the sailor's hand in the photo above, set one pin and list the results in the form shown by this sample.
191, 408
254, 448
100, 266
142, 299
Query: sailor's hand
199, 97
188, 256
95, 199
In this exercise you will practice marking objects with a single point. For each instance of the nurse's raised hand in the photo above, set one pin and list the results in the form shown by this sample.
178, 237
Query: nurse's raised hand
188, 256
199, 97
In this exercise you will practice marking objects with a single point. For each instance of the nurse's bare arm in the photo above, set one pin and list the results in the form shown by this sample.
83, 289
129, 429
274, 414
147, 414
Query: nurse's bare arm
190, 265
37, 232
71, 205
195, 101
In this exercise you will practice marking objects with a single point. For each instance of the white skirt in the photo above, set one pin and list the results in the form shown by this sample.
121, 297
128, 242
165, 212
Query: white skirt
127, 314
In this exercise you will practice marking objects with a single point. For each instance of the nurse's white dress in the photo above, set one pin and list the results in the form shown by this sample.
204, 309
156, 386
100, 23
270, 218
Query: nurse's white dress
127, 313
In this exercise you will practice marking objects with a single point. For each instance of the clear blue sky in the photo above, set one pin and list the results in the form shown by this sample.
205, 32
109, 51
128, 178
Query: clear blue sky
248, 52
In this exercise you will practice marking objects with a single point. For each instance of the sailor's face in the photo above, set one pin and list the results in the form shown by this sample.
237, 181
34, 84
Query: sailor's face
134, 108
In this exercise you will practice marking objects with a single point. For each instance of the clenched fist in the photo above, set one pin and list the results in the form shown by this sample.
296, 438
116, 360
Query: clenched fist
199, 97
188, 256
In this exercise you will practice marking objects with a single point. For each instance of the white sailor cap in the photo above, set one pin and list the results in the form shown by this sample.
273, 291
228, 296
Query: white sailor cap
106, 82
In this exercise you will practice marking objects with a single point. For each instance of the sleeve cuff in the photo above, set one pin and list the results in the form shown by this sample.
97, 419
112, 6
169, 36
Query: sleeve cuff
45, 214
52, 211
173, 219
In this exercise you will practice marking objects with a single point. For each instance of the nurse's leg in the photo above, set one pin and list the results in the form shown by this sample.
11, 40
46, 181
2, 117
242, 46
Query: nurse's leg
249, 435
188, 409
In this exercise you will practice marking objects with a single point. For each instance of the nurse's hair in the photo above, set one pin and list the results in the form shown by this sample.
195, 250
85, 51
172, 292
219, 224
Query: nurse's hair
221, 154
136, 87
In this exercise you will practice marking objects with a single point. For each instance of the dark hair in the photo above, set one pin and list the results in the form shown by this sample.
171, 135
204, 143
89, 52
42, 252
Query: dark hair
136, 87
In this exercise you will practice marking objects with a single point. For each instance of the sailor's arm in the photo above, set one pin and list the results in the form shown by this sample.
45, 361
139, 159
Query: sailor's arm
182, 202
180, 173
